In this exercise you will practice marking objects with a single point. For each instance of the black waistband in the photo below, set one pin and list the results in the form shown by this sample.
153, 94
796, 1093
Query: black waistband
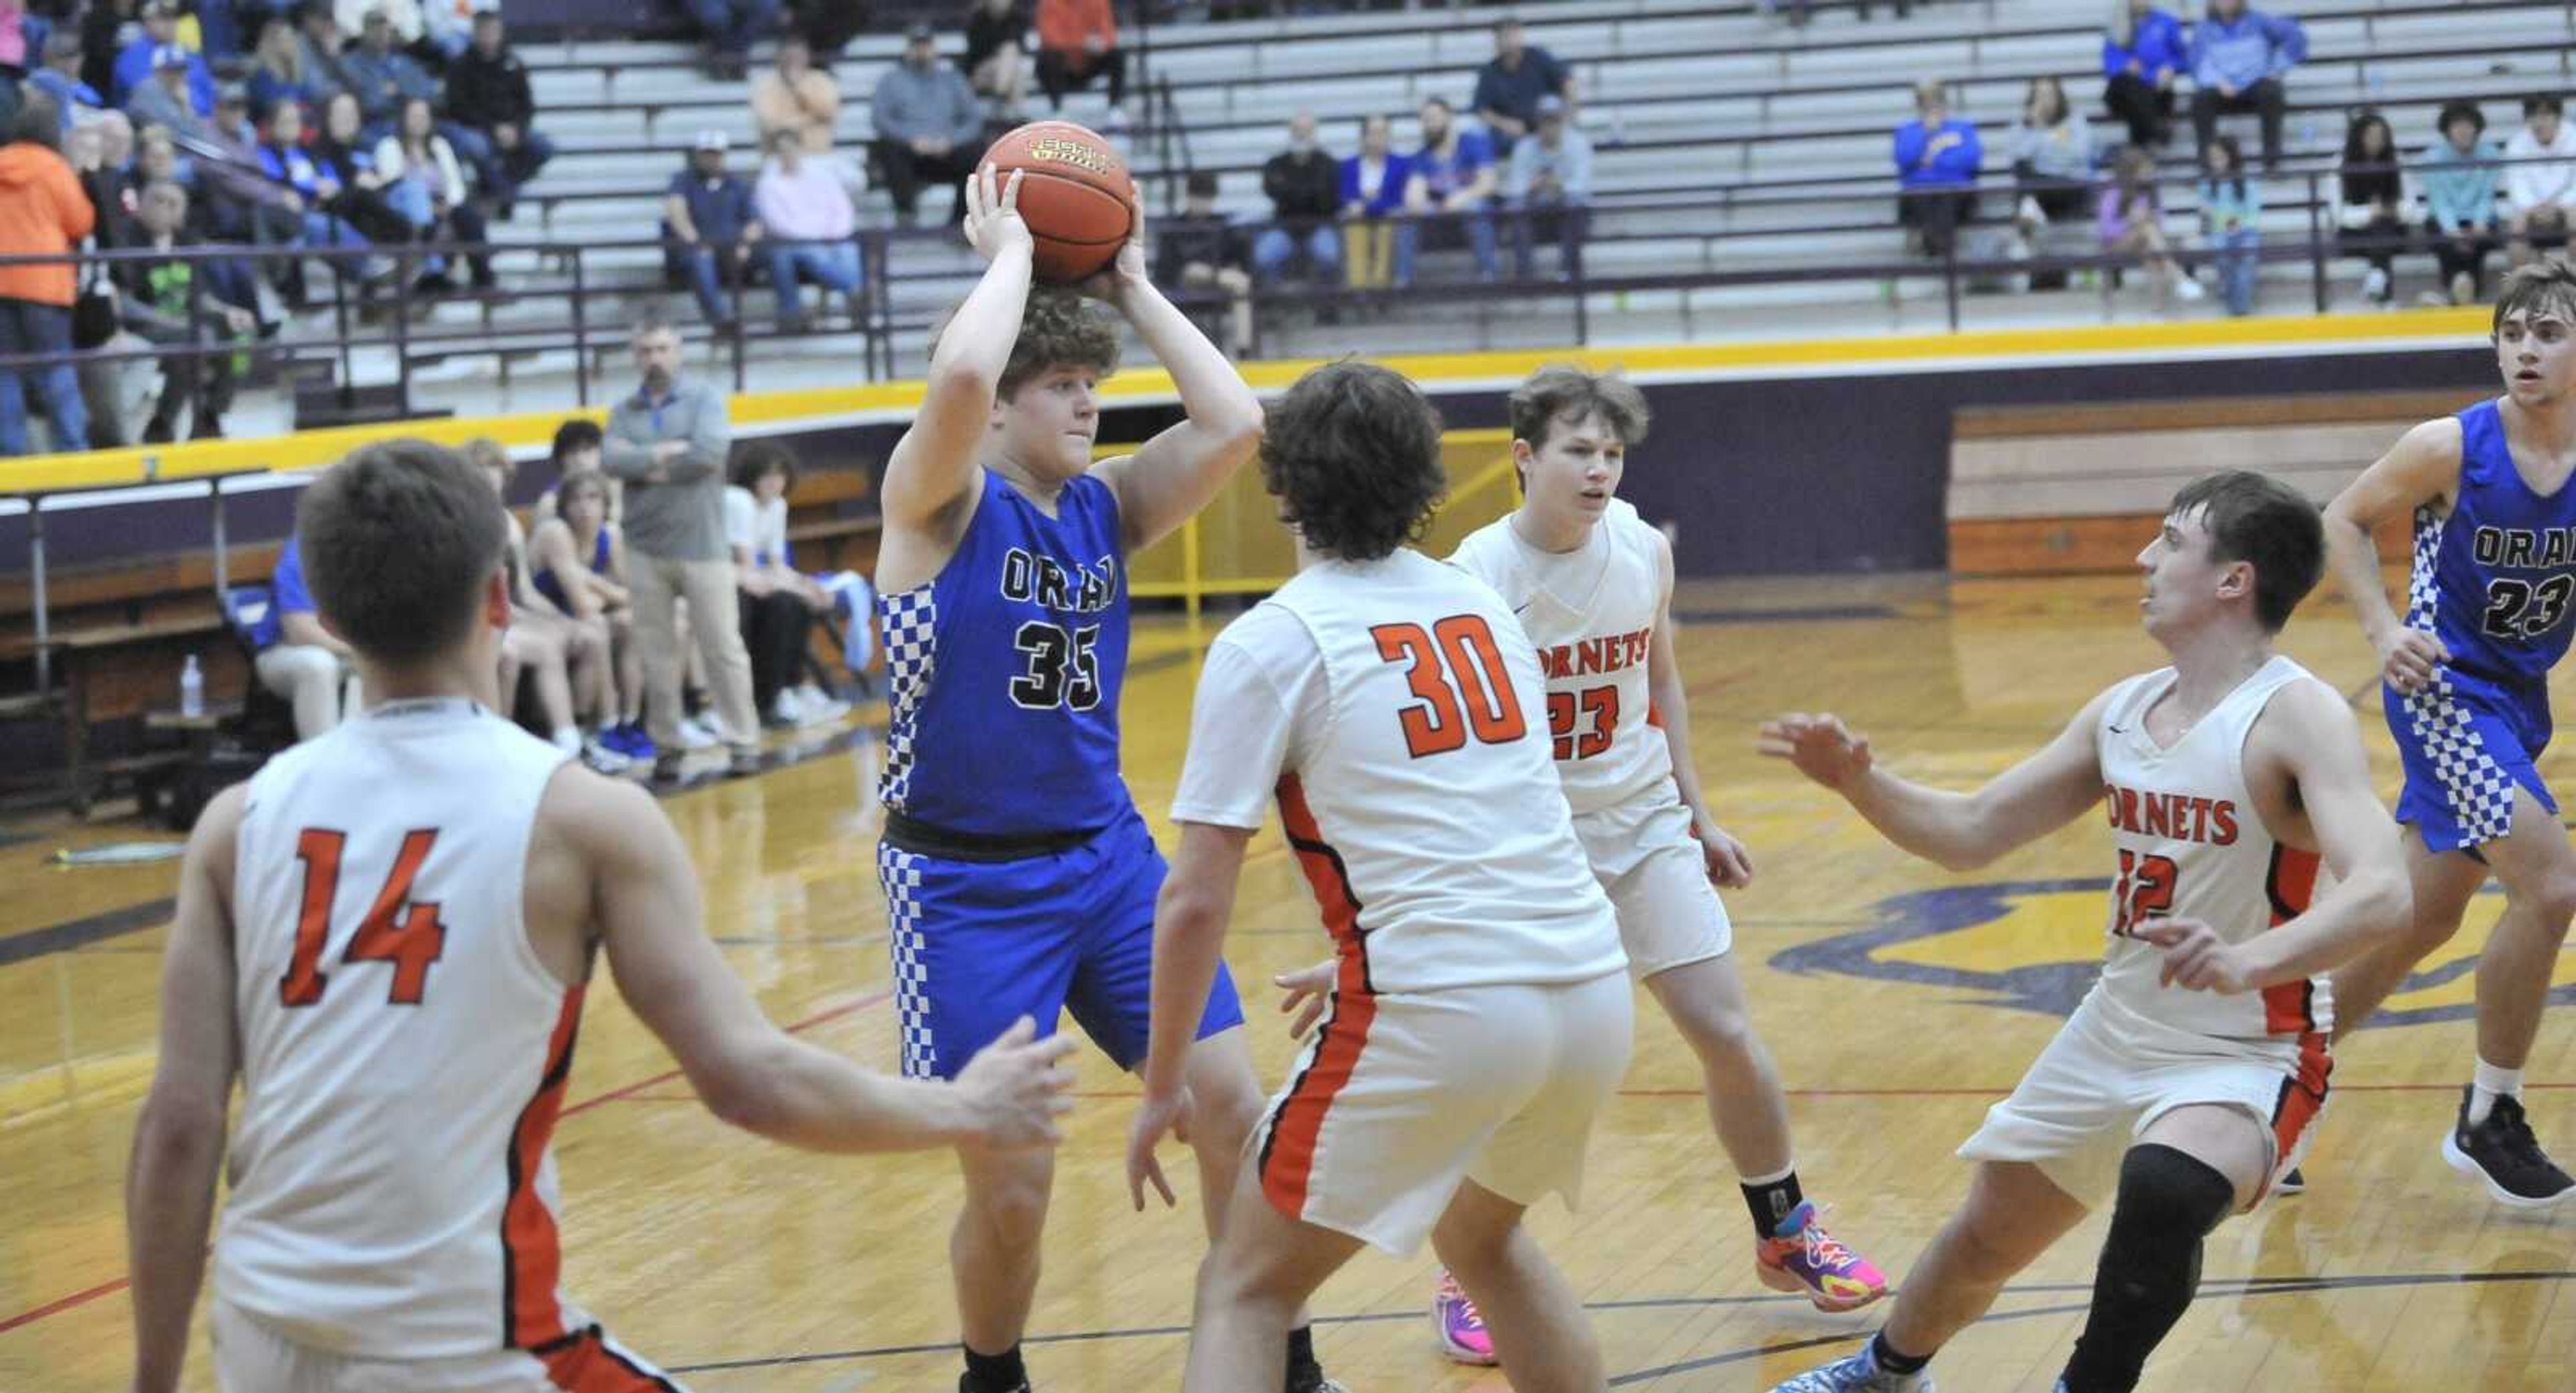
906, 833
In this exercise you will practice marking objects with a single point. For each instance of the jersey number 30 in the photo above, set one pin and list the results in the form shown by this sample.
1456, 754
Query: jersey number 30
396, 930
2518, 609
1458, 673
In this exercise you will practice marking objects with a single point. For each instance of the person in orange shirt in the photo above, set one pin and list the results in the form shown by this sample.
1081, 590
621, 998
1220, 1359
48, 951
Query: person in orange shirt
1078, 41
42, 212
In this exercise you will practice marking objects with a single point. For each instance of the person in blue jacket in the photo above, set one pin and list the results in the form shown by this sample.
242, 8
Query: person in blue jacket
1377, 246
2144, 54
2238, 58
1936, 171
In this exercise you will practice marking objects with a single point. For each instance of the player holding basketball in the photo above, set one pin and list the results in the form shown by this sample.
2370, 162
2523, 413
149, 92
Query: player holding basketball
1019, 878
1592, 584
2466, 688
2183, 1084
398, 982
1479, 1017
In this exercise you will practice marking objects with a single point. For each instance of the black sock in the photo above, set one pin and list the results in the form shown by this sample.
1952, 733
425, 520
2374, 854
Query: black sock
1887, 1358
1772, 1203
1304, 1374
2169, 1201
995, 1373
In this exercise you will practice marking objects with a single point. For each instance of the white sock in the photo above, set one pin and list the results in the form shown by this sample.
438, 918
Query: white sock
2486, 1085
568, 740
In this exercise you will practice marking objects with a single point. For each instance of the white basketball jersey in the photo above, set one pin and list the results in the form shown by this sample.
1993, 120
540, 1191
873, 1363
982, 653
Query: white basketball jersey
2192, 846
1591, 613
403, 1051
1425, 811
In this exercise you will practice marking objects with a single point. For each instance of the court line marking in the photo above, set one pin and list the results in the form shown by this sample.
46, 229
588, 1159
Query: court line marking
2212, 1287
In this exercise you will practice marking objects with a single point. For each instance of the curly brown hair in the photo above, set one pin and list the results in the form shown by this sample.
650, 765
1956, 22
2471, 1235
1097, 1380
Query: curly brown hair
1563, 392
1352, 453
1058, 330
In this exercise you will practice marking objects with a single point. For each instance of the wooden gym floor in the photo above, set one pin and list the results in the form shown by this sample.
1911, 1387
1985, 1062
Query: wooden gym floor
1900, 1001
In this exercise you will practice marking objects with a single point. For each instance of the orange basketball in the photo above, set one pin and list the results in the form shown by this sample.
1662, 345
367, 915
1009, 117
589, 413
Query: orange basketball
1074, 196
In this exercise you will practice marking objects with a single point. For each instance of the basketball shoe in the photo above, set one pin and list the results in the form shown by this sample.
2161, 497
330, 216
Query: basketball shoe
1802, 1257
1460, 1328
1857, 1373
2502, 1152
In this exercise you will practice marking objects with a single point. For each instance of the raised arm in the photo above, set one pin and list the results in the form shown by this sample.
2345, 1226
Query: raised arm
1959, 831
2422, 470
2307, 735
1728, 864
1174, 474
179, 1140
644, 901
930, 479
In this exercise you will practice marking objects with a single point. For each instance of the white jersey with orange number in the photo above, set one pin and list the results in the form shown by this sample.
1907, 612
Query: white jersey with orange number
1391, 708
404, 1052
1592, 614
2192, 846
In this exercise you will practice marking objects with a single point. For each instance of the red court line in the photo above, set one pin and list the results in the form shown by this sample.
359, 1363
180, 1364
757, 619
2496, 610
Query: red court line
83, 1298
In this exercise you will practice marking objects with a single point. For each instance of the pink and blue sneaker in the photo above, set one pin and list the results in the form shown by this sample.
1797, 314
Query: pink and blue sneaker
1460, 1329
1802, 1257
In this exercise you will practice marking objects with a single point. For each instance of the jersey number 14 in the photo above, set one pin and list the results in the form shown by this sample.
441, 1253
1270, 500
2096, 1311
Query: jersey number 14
397, 930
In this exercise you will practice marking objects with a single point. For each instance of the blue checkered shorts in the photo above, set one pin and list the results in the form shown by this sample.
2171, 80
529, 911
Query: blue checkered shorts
2465, 744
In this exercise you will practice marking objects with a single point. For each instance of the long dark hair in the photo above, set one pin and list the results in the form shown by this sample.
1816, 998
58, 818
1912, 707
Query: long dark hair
2235, 180
2361, 182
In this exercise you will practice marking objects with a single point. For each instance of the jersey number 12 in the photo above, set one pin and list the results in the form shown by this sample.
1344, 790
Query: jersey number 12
2145, 891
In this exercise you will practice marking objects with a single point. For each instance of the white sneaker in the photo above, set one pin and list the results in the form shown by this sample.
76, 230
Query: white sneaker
788, 707
817, 707
603, 760
2189, 289
696, 734
2374, 287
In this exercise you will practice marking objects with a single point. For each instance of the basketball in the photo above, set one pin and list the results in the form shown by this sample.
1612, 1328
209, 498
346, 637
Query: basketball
1074, 196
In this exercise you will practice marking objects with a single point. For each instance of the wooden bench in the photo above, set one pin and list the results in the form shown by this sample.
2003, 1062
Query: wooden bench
2039, 490
76, 653
818, 514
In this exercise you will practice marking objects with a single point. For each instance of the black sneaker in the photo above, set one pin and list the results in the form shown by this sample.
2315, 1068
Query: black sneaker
2502, 1152
966, 1384
2292, 1182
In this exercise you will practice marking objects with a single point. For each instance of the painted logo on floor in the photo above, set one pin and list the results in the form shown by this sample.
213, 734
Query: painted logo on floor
2036, 945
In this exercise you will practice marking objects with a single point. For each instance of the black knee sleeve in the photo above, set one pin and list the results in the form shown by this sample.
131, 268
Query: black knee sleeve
2169, 1201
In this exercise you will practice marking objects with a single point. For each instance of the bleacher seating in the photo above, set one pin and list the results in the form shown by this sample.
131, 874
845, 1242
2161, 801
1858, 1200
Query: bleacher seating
1731, 148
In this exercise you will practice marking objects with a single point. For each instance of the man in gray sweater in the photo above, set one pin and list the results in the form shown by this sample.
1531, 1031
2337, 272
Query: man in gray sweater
929, 126
669, 442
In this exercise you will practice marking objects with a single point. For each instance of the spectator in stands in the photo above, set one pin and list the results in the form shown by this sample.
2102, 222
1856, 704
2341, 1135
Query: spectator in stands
567, 658
385, 77
1455, 173
403, 17
809, 223
163, 99
778, 603
996, 59
1202, 250
928, 126
710, 225
110, 139
576, 450
2143, 53
797, 97
448, 25
342, 157
137, 61
2460, 182
1078, 41
42, 212
2131, 220
1378, 251
298, 660
2052, 163
277, 68
2370, 220
1549, 189
670, 441
59, 79
2239, 57
827, 26
2231, 214
169, 301
579, 563
322, 49
423, 183
1509, 87
314, 196
105, 29
487, 94
2538, 195
729, 27
1937, 158
1305, 187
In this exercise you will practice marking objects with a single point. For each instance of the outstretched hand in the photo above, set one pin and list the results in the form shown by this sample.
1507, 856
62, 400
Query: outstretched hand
1820, 747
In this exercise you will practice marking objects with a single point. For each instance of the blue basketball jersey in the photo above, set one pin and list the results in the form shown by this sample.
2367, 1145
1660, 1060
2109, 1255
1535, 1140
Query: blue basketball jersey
1005, 672
2494, 579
